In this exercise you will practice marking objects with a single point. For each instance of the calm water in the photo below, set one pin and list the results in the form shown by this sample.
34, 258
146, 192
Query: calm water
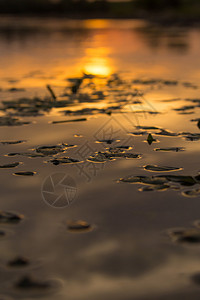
128, 253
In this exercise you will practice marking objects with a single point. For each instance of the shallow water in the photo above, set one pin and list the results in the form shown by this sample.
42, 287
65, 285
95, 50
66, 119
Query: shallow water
127, 245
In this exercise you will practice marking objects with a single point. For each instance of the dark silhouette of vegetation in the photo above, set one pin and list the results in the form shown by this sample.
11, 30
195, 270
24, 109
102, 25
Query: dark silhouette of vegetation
148, 9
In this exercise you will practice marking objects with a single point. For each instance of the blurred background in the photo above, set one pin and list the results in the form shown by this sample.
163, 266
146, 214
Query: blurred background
176, 10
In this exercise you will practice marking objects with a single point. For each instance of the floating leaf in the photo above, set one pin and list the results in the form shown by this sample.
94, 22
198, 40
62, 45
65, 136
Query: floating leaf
164, 132
191, 136
170, 149
9, 217
64, 160
189, 236
191, 193
12, 142
69, 121
155, 168
162, 187
28, 283
8, 121
24, 173
153, 180
53, 150
183, 180
79, 226
148, 127
100, 157
138, 133
132, 179
8, 166
26, 154
19, 262
109, 141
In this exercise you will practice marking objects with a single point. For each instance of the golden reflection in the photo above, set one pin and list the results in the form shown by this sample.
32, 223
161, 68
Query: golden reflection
96, 24
98, 66
96, 60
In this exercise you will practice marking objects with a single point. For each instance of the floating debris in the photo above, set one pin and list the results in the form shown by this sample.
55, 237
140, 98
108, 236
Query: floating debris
138, 133
24, 173
28, 283
9, 121
148, 127
111, 155
76, 86
108, 141
119, 148
188, 236
185, 108
152, 188
170, 149
78, 135
14, 89
79, 226
165, 132
191, 136
64, 160
183, 180
26, 154
51, 92
9, 217
191, 193
69, 121
189, 85
2, 233
12, 142
18, 262
12, 165
100, 157
53, 150
154, 168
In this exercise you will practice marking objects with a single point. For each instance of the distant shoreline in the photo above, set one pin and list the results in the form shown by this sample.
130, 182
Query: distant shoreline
163, 20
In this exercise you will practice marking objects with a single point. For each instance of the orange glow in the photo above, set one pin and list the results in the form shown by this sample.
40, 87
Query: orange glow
98, 66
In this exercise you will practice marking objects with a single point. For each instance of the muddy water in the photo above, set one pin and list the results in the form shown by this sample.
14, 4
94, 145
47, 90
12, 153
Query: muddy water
86, 225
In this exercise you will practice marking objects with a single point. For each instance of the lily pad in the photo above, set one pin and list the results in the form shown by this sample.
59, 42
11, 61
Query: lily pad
154, 168
52, 150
